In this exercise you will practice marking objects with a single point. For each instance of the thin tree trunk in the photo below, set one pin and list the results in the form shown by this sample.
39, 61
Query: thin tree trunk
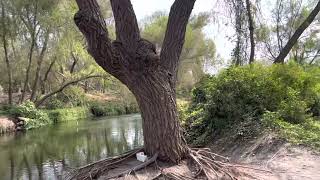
5, 47
46, 75
39, 65
293, 40
251, 30
31, 51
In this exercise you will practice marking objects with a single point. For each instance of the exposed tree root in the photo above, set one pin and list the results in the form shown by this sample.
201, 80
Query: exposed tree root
206, 165
136, 168
211, 166
94, 170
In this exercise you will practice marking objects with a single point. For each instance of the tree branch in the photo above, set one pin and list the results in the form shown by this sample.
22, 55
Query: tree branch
92, 25
42, 100
175, 34
75, 61
127, 29
292, 41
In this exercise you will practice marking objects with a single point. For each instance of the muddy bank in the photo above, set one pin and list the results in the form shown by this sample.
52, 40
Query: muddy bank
7, 125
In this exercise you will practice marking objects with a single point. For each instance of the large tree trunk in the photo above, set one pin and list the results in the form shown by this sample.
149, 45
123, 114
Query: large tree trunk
293, 40
135, 62
161, 128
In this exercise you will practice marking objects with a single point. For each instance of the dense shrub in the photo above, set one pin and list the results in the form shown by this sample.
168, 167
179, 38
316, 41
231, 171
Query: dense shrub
112, 108
33, 117
73, 96
69, 114
241, 95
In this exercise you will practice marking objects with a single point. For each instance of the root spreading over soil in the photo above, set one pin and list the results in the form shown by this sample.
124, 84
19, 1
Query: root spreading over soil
200, 164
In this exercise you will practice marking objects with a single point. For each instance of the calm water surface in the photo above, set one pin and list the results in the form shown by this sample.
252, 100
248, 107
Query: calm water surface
46, 152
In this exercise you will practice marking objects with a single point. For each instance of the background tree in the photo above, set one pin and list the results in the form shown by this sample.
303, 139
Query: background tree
296, 35
287, 17
198, 50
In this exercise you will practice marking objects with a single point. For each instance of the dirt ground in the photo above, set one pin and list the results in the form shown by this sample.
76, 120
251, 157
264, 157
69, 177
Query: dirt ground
282, 160
6, 125
265, 158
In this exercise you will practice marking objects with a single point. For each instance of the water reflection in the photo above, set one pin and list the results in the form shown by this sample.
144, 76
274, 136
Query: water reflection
45, 153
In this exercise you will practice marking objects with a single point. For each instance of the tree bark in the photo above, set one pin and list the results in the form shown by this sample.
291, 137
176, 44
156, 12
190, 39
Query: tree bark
294, 38
135, 62
161, 129
6, 55
251, 31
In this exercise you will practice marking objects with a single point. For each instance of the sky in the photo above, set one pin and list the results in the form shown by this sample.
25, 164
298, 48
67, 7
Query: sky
219, 34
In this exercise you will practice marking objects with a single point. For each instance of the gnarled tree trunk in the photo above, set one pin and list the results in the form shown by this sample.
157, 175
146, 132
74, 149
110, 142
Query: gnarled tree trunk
161, 129
135, 62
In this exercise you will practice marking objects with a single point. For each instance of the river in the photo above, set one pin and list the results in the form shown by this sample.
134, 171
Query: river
47, 152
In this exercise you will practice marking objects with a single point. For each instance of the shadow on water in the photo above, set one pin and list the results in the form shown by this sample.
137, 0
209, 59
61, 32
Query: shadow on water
45, 153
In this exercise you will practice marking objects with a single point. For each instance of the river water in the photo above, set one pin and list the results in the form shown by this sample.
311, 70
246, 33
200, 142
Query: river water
46, 152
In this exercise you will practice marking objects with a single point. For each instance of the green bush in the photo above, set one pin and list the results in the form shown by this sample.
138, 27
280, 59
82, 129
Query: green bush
112, 108
69, 114
33, 117
241, 95
73, 96
54, 103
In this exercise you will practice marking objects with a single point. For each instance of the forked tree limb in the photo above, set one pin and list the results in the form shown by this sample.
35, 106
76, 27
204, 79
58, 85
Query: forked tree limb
175, 34
92, 25
127, 30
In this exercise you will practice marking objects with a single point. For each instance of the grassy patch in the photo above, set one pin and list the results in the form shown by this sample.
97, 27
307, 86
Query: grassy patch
307, 133
112, 109
69, 114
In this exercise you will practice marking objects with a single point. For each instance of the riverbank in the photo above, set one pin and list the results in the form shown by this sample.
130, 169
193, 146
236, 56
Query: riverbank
6, 125
26, 116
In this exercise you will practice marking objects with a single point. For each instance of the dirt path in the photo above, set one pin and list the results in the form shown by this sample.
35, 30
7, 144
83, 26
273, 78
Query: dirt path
284, 161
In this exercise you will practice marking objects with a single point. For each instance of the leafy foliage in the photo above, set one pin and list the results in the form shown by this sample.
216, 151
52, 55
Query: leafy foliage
112, 108
197, 50
68, 114
33, 117
241, 96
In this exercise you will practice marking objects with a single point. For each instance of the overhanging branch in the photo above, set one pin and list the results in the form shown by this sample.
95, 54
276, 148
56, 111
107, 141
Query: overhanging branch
42, 100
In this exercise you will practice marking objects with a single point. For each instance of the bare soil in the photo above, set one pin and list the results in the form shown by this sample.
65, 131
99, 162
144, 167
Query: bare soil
6, 125
283, 160
263, 158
